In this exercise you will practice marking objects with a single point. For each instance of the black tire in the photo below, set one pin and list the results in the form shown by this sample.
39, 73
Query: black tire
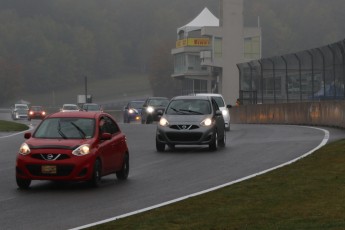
97, 174
160, 146
222, 141
123, 173
149, 120
213, 146
23, 183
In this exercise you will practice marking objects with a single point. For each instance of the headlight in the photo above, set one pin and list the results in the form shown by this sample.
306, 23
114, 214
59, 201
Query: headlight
43, 113
82, 150
131, 111
24, 149
31, 112
225, 112
150, 109
206, 122
163, 122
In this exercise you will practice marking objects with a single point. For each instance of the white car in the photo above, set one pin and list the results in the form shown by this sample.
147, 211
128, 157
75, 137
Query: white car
69, 108
222, 106
19, 111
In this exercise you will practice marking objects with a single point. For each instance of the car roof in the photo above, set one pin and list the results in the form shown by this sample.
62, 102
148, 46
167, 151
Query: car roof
209, 94
192, 97
80, 114
69, 104
158, 98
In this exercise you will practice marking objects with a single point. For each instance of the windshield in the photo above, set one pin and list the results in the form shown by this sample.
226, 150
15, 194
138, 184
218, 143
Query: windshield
92, 107
70, 107
66, 128
189, 106
159, 102
21, 107
136, 104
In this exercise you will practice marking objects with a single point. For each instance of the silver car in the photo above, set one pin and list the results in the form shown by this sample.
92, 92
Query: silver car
19, 111
191, 120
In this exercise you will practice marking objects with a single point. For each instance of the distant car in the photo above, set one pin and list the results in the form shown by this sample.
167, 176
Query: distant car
222, 106
132, 111
19, 111
70, 108
153, 108
36, 112
73, 146
91, 107
191, 120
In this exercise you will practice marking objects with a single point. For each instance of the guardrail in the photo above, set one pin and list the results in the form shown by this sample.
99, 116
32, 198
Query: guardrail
322, 113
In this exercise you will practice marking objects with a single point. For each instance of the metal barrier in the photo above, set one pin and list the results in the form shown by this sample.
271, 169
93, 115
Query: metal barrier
310, 75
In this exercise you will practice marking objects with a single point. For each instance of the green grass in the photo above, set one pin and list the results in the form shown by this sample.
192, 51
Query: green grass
9, 126
309, 194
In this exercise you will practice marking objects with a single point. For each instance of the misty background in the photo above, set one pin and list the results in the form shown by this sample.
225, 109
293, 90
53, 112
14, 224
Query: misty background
51, 45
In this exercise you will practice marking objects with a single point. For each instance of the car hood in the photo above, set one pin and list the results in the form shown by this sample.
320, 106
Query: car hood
184, 119
56, 143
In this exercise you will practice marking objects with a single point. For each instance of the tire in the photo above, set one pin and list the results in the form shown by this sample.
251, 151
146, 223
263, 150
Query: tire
23, 183
213, 146
123, 173
149, 120
160, 146
96, 175
222, 141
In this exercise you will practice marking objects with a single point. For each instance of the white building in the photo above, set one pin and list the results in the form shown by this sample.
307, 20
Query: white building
208, 49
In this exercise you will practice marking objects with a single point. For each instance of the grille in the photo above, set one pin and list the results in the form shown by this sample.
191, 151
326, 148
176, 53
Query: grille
50, 156
184, 137
184, 127
61, 170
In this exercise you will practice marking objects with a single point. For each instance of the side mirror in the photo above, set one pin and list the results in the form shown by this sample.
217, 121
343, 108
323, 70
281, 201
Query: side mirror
105, 136
159, 112
228, 106
219, 113
27, 135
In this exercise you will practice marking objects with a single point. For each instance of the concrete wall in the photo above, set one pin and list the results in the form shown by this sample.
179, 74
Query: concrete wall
323, 113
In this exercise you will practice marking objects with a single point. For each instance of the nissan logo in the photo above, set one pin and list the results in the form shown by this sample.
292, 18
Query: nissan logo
50, 156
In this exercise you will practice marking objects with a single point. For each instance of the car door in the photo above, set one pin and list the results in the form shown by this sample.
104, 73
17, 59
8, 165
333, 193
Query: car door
218, 117
115, 150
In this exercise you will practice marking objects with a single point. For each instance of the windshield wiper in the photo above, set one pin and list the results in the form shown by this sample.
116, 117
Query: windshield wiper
83, 135
191, 111
177, 110
60, 131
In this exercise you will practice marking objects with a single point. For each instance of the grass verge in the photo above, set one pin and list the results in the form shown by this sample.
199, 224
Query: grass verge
9, 126
309, 194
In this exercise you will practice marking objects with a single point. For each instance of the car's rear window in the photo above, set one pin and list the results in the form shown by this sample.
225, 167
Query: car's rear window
66, 128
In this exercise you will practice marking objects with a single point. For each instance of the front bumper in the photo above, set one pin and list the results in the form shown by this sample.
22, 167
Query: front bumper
178, 135
67, 168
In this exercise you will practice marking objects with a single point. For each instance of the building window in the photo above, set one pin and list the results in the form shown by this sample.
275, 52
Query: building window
179, 63
252, 48
217, 47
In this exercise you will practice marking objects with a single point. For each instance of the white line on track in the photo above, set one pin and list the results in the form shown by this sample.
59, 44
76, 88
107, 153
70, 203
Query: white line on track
323, 142
14, 134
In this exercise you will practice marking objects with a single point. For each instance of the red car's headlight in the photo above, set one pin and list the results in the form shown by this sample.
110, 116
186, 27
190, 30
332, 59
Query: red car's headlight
82, 150
24, 149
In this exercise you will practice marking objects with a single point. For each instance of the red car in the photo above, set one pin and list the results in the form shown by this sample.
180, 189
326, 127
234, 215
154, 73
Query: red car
73, 146
36, 112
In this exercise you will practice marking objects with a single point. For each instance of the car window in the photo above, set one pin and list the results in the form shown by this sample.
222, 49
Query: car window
136, 104
215, 105
66, 128
22, 107
108, 125
219, 101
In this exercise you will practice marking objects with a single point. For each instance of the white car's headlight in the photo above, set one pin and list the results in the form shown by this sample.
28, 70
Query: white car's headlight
131, 111
24, 149
163, 122
225, 112
150, 109
206, 122
82, 150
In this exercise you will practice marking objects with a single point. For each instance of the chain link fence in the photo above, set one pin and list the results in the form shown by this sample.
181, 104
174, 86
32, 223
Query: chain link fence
310, 75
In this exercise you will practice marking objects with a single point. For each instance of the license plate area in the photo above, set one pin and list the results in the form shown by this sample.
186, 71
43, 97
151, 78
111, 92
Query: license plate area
49, 169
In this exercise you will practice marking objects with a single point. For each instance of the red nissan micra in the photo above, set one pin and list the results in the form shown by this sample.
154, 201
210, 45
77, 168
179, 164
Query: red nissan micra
75, 146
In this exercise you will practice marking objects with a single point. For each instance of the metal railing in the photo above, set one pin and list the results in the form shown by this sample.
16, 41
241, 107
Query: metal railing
310, 75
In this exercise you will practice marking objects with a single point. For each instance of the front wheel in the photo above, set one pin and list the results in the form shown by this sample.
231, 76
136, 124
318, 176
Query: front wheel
222, 141
123, 173
160, 146
214, 144
96, 175
23, 183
